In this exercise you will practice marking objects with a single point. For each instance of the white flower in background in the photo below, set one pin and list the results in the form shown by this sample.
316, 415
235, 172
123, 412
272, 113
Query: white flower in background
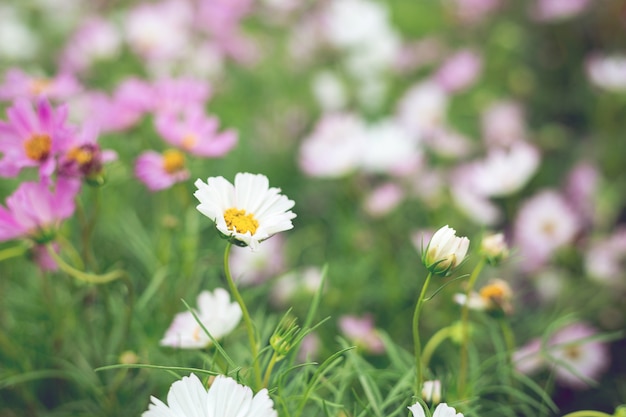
494, 247
477, 207
247, 212
423, 108
544, 223
503, 171
329, 91
305, 281
442, 410
218, 315
17, 39
224, 398
607, 71
388, 148
604, 260
334, 148
494, 297
445, 251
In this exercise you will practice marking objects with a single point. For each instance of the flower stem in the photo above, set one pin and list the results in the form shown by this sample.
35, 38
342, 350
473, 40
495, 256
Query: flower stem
465, 327
433, 343
268, 370
84, 276
416, 336
246, 317
587, 413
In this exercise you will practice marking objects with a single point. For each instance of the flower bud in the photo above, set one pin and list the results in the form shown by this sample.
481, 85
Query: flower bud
431, 391
284, 337
445, 251
494, 248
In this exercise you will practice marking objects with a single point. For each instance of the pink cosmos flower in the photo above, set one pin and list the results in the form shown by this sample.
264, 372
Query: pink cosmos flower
361, 331
544, 223
423, 108
130, 101
556, 10
474, 11
33, 137
35, 210
175, 95
84, 157
18, 84
503, 123
604, 260
42, 258
254, 267
577, 359
384, 199
459, 71
581, 189
160, 171
334, 148
96, 39
195, 133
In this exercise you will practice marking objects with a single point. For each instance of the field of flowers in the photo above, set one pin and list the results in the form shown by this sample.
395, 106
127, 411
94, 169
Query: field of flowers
297, 208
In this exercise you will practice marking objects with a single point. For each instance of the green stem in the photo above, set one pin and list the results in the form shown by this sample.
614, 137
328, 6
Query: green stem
13, 252
587, 413
509, 337
83, 276
268, 370
246, 317
416, 336
433, 343
465, 327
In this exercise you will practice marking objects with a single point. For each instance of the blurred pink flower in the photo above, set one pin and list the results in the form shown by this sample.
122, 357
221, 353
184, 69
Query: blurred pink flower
503, 123
577, 359
216, 313
84, 157
384, 199
159, 31
130, 101
33, 137
43, 259
604, 259
503, 171
334, 148
556, 10
459, 71
195, 133
473, 11
161, 171
176, 95
607, 71
304, 281
361, 331
581, 189
544, 223
35, 210
423, 109
95, 39
309, 348
18, 84
254, 267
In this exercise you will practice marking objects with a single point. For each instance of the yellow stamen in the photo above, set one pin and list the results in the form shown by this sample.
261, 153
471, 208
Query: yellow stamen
189, 141
573, 352
38, 146
81, 155
173, 161
493, 292
237, 220
39, 86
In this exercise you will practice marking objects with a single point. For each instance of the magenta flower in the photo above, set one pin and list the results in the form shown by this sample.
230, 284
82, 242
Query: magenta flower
84, 157
160, 171
19, 84
195, 133
35, 210
32, 138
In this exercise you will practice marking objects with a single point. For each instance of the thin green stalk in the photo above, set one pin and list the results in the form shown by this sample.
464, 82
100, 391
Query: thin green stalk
509, 337
587, 413
246, 317
433, 343
83, 276
416, 336
268, 370
465, 327
14, 251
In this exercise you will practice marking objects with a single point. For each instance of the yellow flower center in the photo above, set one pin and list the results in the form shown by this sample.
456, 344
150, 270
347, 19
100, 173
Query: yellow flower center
493, 292
189, 141
81, 155
237, 220
38, 146
173, 161
572, 352
39, 86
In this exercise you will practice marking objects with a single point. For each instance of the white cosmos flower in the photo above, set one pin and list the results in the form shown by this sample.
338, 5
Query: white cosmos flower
442, 410
445, 251
225, 398
218, 315
246, 213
